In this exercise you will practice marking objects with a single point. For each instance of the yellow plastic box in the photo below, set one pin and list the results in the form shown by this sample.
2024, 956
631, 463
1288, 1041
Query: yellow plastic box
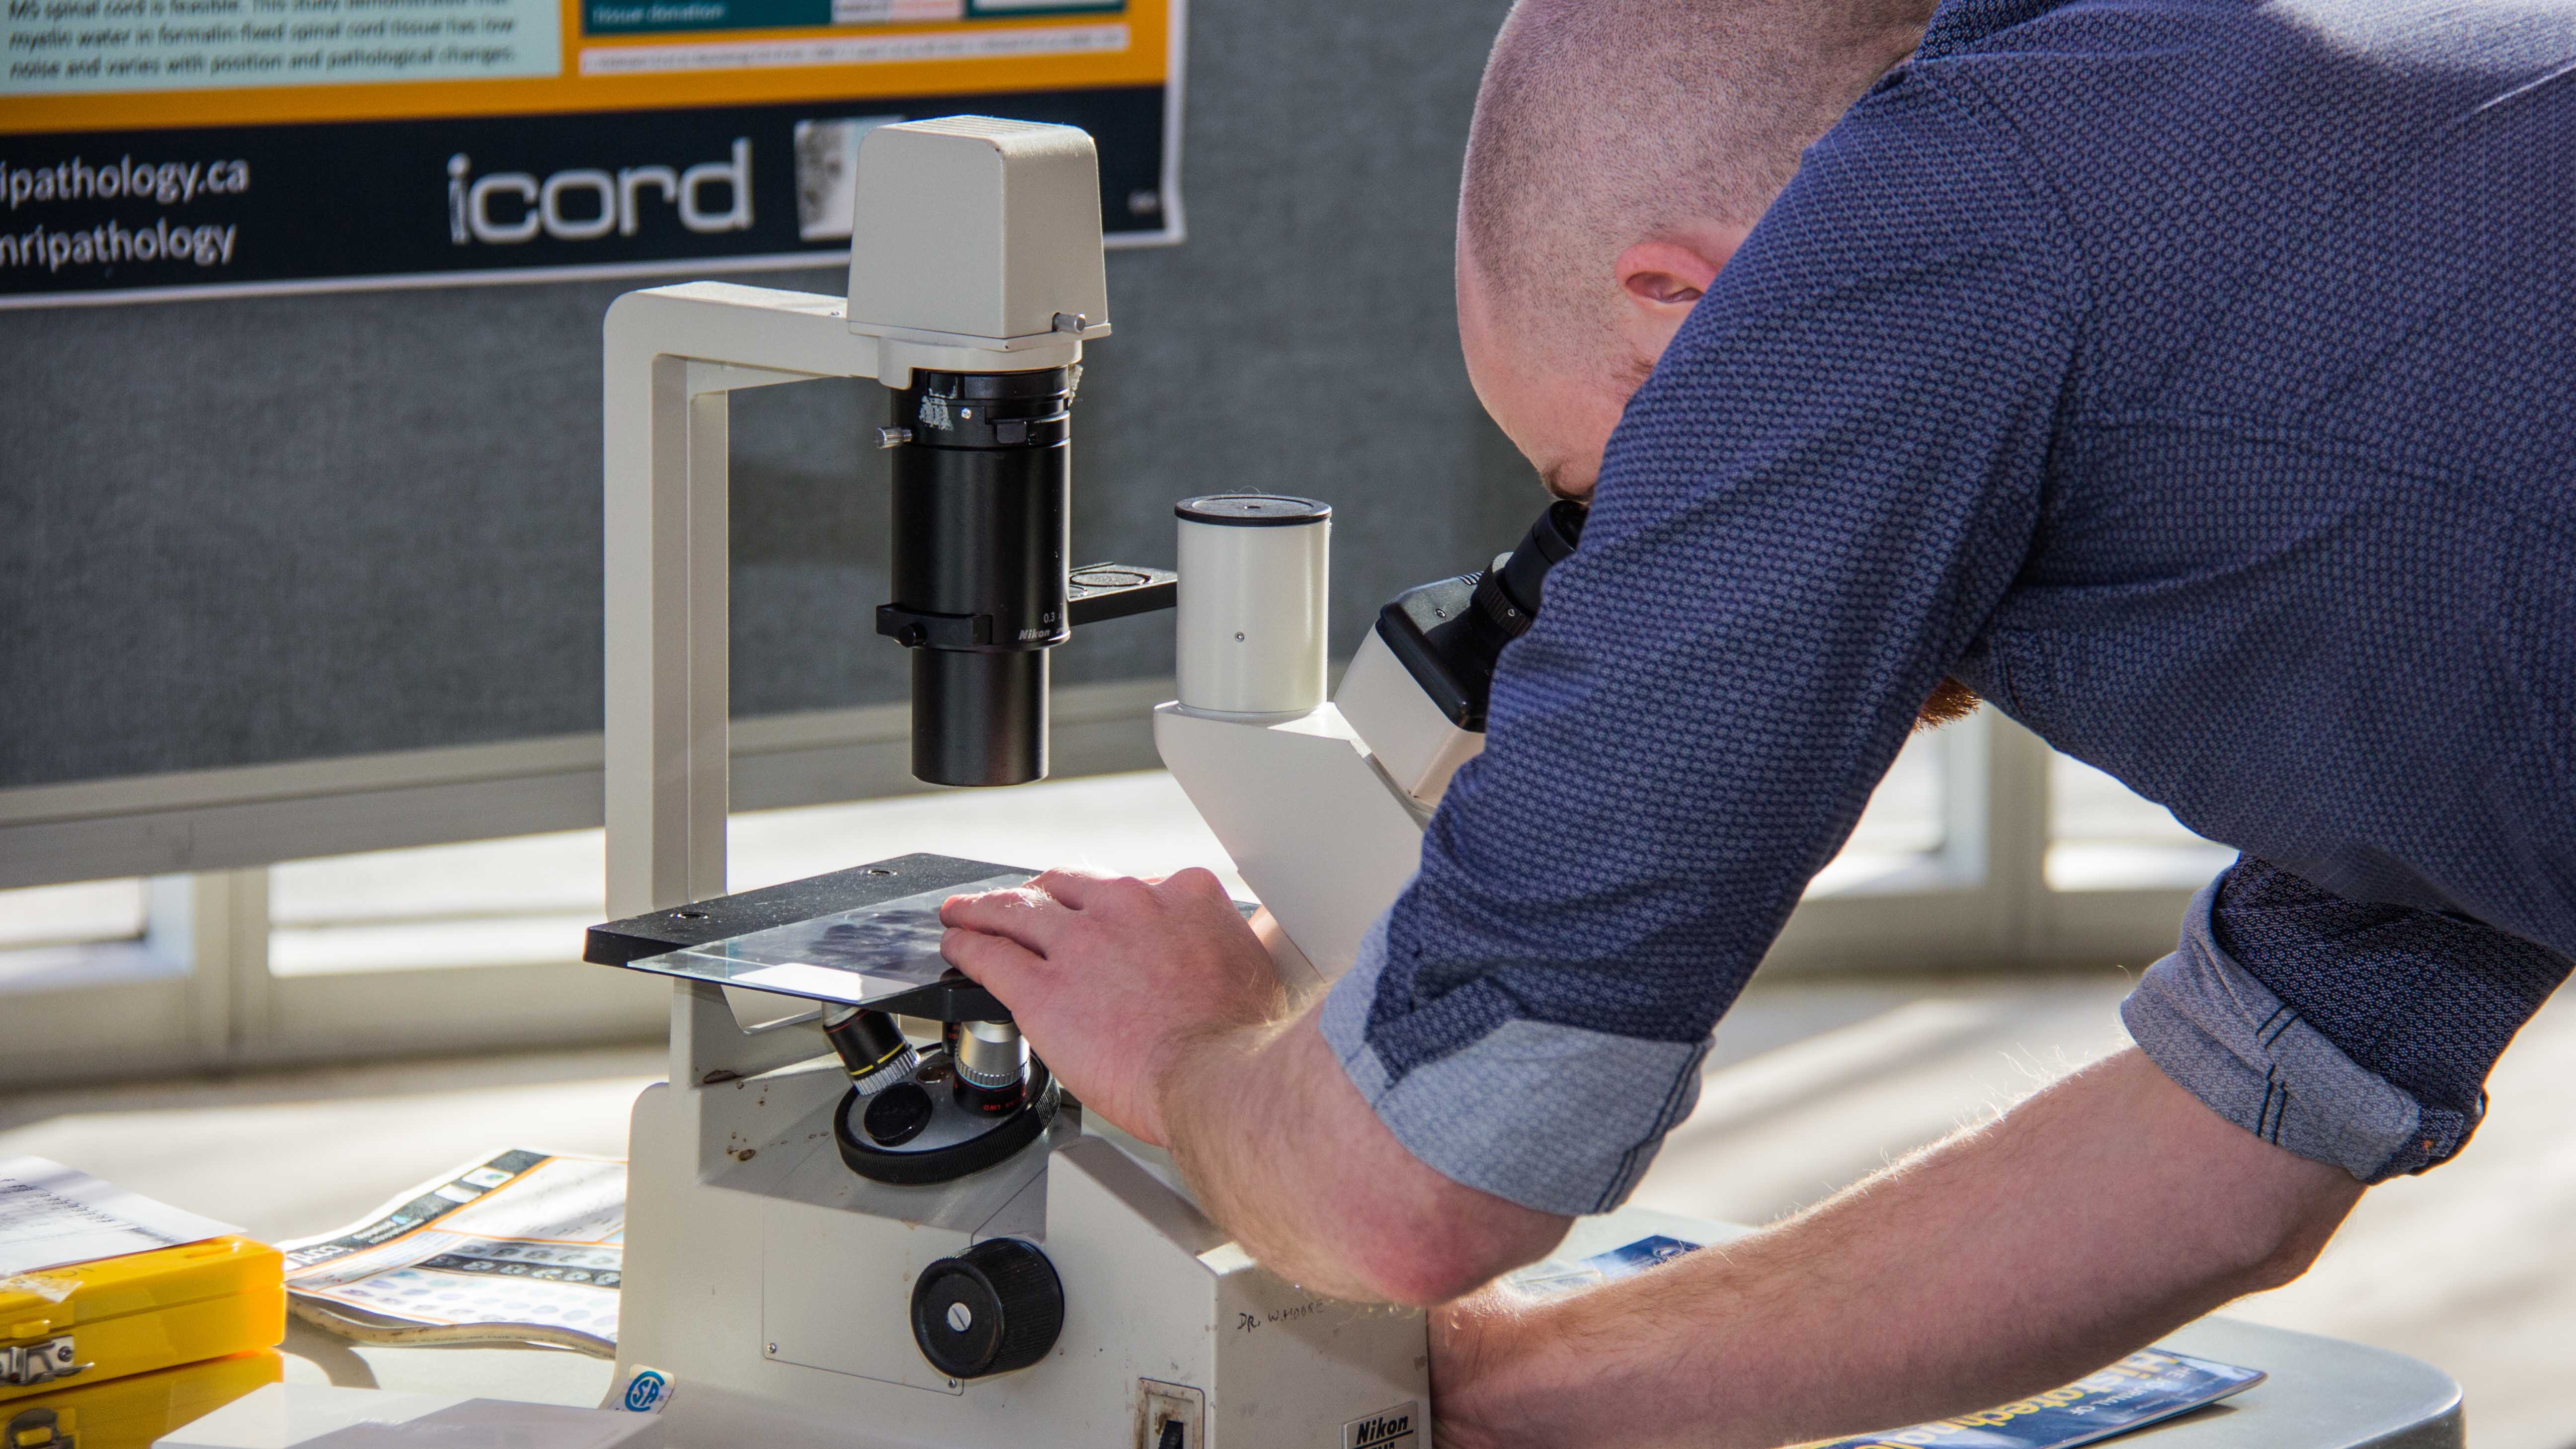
65, 1328
131, 1412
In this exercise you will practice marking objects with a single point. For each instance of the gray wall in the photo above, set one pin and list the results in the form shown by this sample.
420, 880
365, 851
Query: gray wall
259, 530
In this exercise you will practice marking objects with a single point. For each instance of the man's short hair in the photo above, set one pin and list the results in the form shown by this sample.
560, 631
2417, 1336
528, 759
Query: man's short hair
1602, 123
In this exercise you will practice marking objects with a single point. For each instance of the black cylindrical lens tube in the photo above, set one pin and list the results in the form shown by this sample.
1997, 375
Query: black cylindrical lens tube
982, 494
1549, 542
979, 719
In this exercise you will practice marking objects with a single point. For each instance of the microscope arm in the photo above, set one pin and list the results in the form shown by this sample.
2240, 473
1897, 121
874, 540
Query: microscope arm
673, 356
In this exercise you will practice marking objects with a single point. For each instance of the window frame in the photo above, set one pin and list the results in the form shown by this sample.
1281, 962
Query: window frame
1983, 905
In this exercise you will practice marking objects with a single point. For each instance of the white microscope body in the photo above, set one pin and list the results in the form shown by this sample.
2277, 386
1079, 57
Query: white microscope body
768, 1288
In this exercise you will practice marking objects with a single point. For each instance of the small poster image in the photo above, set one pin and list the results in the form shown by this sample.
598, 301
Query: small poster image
168, 148
1555, 1278
2147, 1386
522, 1247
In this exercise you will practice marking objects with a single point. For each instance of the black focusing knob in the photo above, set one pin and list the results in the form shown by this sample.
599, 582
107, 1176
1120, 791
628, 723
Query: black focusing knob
991, 1309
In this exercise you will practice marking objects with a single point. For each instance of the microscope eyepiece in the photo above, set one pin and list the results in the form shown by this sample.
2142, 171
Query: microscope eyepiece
1449, 635
1509, 593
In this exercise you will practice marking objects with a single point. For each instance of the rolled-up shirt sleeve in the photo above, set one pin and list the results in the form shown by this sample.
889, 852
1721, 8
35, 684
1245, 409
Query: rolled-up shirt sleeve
2354, 1034
1803, 520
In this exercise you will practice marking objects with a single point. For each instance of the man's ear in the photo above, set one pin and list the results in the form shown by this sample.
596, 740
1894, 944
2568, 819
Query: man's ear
1661, 280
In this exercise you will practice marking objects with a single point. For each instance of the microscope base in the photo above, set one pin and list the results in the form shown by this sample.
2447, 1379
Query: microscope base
772, 1291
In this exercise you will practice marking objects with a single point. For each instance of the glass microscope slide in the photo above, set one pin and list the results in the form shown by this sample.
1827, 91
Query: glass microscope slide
859, 957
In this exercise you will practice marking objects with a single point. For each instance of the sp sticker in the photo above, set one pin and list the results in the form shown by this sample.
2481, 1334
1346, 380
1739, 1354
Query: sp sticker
1396, 1428
647, 1392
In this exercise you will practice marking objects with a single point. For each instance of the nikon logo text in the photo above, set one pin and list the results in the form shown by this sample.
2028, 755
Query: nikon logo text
1389, 1429
587, 203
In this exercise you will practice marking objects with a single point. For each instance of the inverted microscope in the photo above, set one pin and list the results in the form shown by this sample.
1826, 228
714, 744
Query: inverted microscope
860, 1212
869, 1215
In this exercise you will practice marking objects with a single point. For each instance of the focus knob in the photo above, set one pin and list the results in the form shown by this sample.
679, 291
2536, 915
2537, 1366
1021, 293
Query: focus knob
991, 1309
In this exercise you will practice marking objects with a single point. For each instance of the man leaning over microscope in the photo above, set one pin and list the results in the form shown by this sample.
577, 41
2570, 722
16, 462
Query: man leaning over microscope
2185, 376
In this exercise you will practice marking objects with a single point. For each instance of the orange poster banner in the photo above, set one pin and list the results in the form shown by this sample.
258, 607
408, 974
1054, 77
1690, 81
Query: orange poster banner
159, 148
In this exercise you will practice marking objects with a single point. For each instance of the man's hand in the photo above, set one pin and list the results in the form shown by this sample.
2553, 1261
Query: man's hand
1115, 980
1159, 1008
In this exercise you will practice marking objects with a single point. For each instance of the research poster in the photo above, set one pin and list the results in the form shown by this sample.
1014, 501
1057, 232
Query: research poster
153, 149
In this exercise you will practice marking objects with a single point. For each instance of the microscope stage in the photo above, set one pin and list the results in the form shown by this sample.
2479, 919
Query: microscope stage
868, 936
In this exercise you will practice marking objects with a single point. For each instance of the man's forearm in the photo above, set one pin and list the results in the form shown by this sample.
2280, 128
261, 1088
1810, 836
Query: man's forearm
2103, 1212
1225, 1115
1288, 1157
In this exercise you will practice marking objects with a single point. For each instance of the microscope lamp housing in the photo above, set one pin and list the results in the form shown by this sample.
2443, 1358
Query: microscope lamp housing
962, 230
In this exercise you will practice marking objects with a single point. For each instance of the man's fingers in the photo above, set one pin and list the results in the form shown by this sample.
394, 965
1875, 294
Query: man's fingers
1198, 881
1070, 886
1025, 915
995, 963
1091, 890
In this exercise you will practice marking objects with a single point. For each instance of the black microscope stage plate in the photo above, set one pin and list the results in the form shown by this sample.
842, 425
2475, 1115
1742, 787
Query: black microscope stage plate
708, 922
701, 923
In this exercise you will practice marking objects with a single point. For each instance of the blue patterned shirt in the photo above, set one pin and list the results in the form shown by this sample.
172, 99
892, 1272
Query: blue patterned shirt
2196, 379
